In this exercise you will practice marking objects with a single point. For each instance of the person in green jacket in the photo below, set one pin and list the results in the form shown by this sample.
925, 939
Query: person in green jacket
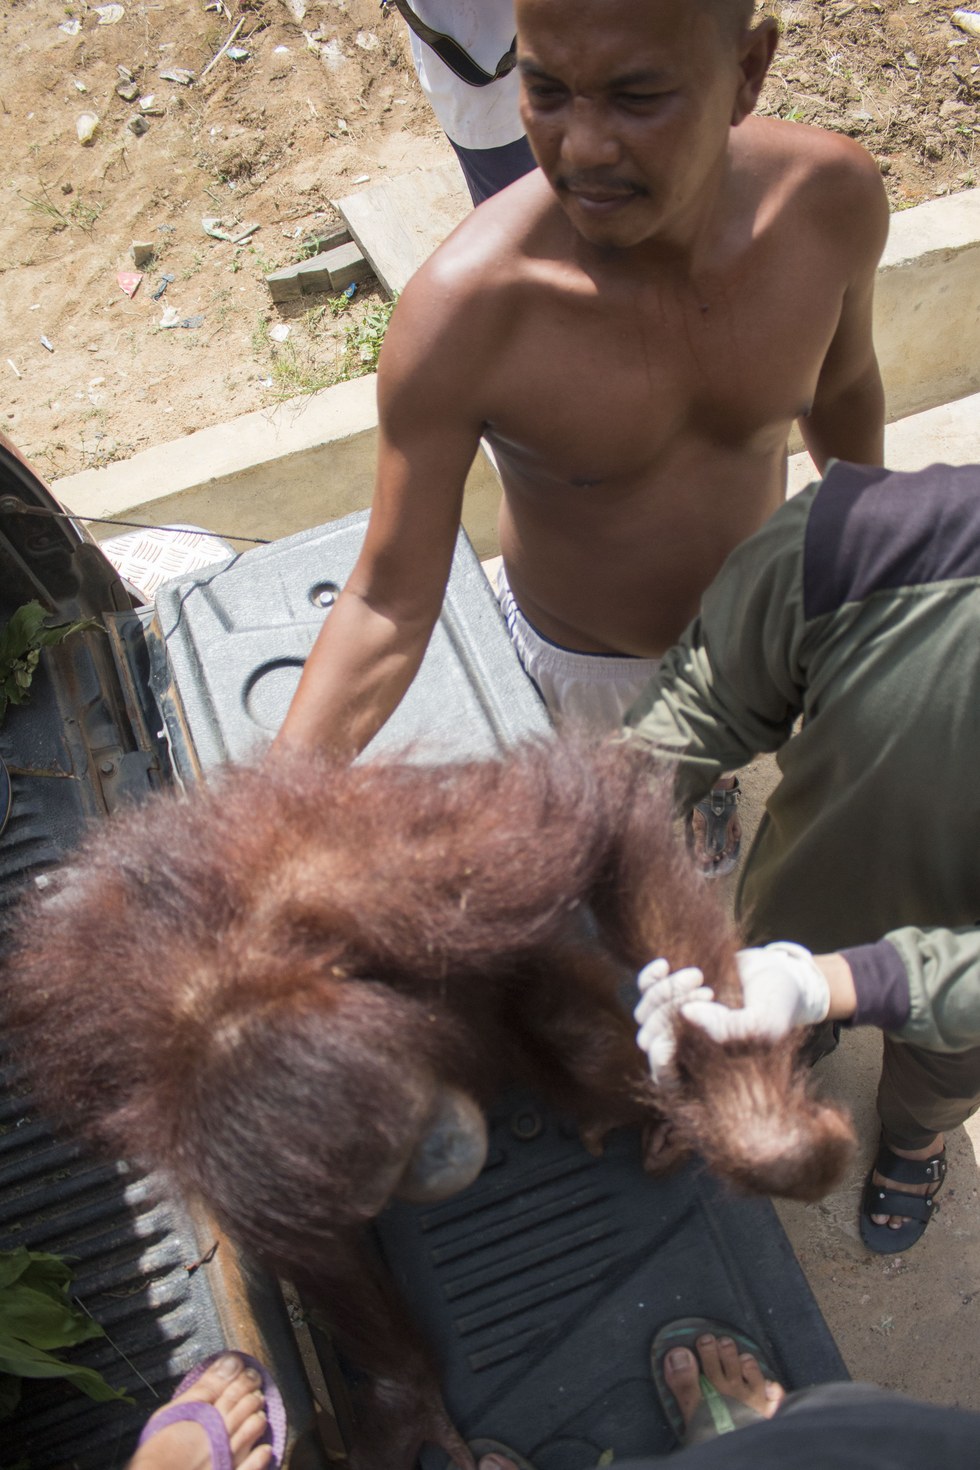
856, 608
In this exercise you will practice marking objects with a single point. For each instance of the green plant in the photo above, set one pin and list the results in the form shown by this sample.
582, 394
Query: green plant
363, 339
263, 264
21, 642
78, 212
293, 374
37, 1319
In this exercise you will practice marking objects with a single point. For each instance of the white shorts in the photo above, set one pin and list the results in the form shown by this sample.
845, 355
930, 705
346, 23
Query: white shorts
587, 691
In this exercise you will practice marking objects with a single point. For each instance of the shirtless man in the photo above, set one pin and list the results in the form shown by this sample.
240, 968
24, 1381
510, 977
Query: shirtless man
633, 327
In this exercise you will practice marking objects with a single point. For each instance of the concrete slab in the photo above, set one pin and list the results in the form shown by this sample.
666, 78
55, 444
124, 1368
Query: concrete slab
399, 223
927, 304
949, 434
264, 475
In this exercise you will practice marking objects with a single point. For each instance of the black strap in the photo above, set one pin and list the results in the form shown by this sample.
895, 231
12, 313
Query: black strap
452, 53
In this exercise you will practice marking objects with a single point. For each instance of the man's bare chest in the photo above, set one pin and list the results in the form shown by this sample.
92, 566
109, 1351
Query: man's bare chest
602, 390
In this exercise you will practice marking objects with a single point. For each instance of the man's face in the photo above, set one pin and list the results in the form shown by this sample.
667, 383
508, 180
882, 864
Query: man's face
628, 106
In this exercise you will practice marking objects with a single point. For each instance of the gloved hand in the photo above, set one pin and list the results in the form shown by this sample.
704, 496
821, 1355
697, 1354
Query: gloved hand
782, 987
662, 995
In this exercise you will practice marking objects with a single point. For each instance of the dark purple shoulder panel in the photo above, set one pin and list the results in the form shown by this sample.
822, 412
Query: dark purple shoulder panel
870, 529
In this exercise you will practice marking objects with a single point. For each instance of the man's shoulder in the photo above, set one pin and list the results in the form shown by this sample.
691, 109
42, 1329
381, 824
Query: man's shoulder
821, 181
814, 161
489, 250
461, 303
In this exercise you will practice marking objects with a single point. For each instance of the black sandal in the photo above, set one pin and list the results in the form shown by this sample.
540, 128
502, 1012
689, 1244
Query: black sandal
881, 1199
718, 809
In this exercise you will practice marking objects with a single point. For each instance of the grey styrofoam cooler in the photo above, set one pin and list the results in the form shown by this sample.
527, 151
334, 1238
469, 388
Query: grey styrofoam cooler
237, 637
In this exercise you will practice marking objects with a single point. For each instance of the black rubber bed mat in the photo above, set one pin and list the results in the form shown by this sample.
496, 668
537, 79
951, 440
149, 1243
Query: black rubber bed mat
130, 1247
541, 1288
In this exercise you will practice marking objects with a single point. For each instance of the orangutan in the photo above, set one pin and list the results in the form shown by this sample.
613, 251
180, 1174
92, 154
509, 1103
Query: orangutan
296, 988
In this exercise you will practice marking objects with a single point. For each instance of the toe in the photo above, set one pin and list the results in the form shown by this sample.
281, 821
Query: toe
237, 1413
259, 1459
711, 1365
244, 1438
728, 1356
750, 1370
682, 1376
225, 1377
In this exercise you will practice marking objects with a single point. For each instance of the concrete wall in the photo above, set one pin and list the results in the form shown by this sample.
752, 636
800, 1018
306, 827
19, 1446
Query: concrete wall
311, 460
927, 305
265, 475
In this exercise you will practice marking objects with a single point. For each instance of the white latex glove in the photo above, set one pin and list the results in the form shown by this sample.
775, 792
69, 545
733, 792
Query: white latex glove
663, 994
782, 988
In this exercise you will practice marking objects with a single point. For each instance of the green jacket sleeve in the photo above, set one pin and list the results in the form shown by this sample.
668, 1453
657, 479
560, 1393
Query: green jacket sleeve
938, 970
734, 683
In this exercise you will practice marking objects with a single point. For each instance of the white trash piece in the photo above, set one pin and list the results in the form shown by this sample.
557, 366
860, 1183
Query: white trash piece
86, 126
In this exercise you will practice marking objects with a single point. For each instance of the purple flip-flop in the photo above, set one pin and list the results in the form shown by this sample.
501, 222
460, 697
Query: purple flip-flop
211, 1421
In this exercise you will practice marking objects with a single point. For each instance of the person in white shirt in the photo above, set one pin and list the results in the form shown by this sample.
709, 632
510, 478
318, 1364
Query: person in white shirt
464, 56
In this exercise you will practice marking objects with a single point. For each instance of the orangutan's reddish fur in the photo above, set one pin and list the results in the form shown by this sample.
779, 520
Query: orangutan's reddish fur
241, 987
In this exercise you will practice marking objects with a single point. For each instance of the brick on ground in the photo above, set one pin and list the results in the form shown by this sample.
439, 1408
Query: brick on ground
332, 270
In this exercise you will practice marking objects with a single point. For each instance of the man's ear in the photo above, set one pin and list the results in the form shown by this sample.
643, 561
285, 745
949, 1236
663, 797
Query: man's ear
756, 50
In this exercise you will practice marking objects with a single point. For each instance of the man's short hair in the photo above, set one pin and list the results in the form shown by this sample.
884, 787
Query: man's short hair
736, 14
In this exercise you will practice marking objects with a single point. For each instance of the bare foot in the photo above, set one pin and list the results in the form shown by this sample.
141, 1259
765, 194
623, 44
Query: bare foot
895, 1222
735, 1374
732, 1373
724, 861
236, 1393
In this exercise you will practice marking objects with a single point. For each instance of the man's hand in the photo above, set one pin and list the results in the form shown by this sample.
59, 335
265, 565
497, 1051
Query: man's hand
662, 995
782, 987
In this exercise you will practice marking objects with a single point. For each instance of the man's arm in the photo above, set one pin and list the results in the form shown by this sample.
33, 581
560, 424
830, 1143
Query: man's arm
847, 417
920, 985
375, 637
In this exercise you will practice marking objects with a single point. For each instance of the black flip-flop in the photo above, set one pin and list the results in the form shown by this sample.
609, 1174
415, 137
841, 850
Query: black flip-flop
717, 1413
882, 1199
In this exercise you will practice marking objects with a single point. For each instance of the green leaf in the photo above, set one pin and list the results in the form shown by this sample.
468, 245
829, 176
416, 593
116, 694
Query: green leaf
21, 631
21, 642
36, 1266
37, 1316
28, 1362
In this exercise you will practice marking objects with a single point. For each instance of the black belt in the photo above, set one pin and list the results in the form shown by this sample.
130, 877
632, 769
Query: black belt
452, 53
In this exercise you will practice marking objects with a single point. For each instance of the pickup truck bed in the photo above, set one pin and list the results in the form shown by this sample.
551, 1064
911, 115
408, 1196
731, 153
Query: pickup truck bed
542, 1284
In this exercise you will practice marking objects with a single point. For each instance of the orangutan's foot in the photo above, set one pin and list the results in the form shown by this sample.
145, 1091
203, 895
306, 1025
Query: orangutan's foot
235, 1391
